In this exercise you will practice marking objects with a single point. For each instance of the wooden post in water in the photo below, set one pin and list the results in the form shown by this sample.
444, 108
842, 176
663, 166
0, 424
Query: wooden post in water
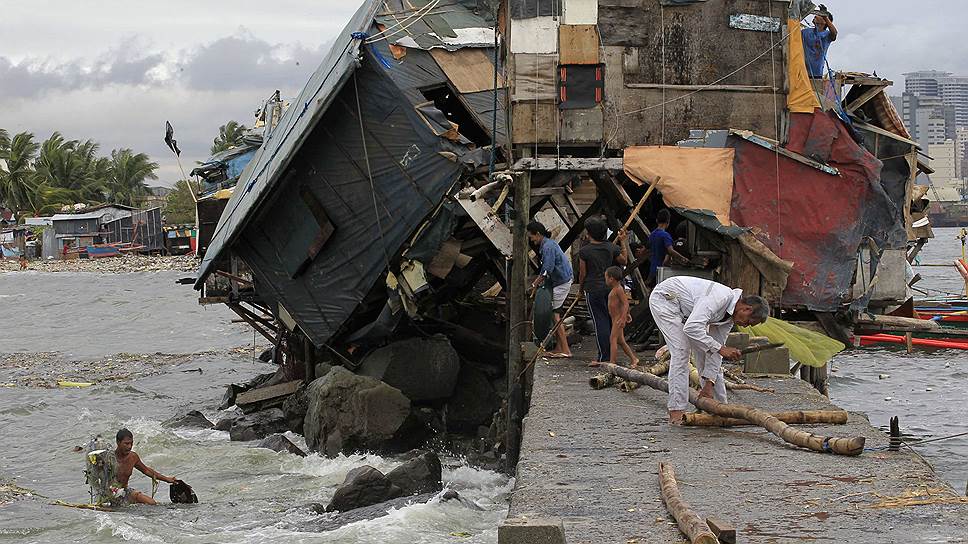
842, 446
517, 308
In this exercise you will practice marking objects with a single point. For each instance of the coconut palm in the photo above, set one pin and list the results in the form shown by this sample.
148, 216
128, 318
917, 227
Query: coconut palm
229, 135
18, 180
128, 173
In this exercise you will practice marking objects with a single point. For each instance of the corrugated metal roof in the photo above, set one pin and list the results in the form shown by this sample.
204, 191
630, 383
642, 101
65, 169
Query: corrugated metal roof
275, 154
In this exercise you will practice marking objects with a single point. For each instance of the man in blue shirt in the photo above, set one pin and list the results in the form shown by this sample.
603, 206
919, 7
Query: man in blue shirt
555, 270
816, 41
661, 245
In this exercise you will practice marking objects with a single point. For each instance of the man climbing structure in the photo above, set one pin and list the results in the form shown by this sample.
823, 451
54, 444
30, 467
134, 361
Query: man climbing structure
817, 40
696, 315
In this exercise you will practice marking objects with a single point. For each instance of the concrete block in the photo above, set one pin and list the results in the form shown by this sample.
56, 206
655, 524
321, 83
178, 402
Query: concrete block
523, 530
738, 340
770, 361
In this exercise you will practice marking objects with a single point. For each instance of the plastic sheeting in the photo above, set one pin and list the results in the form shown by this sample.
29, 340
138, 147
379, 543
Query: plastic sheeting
691, 178
807, 347
274, 156
802, 214
801, 98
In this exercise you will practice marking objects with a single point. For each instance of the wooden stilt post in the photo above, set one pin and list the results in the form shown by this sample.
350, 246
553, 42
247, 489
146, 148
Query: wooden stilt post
517, 307
309, 353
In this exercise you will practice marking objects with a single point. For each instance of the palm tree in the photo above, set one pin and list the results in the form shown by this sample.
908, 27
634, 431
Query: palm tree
128, 174
229, 135
4, 142
18, 181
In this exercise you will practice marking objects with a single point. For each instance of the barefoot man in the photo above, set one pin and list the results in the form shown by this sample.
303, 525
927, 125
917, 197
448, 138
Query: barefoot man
696, 315
619, 311
127, 462
556, 271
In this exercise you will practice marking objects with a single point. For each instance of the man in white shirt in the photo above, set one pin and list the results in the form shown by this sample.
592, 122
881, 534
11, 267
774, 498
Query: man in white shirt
696, 315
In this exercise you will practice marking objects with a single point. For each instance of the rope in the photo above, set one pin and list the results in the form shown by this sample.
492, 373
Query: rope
662, 26
704, 87
419, 17
369, 173
490, 168
920, 442
776, 149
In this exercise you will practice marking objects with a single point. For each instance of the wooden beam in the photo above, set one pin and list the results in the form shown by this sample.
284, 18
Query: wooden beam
518, 329
832, 417
734, 88
610, 186
548, 191
580, 164
579, 225
864, 98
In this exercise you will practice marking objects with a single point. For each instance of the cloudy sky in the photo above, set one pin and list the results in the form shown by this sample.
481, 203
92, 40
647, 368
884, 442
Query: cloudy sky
116, 70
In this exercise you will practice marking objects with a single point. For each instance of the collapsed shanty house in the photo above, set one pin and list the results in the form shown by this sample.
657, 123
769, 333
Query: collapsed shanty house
394, 193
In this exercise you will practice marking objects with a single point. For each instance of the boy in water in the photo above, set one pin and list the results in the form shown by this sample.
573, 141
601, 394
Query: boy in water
619, 311
127, 462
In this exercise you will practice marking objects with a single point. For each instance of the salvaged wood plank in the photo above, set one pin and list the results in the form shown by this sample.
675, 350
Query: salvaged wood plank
490, 224
689, 522
578, 44
852, 446
724, 531
535, 77
576, 164
263, 394
891, 322
582, 125
469, 69
534, 123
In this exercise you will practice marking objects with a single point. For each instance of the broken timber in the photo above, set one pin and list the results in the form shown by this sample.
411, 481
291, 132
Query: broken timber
551, 163
689, 523
841, 446
835, 417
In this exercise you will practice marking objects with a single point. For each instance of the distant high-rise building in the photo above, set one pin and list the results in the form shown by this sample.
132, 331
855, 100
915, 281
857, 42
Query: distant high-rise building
927, 118
951, 89
947, 184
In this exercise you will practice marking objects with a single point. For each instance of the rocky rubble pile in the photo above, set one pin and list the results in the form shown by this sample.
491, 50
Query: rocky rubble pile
109, 265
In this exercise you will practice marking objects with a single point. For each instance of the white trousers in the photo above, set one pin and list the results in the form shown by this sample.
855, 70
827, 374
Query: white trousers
710, 365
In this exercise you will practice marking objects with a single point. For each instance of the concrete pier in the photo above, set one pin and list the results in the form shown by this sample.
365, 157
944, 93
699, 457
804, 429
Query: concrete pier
589, 462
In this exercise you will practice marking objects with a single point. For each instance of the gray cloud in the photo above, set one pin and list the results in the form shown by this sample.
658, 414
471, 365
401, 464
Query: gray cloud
239, 61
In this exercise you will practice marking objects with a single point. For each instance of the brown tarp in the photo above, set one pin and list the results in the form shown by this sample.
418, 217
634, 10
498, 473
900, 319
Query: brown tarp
693, 178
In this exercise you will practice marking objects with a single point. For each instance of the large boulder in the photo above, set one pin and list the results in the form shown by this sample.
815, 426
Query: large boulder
363, 486
335, 521
348, 413
473, 403
279, 443
421, 474
258, 425
421, 368
294, 407
192, 419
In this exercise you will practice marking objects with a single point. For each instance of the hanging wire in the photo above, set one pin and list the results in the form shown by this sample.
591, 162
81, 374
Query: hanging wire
369, 173
708, 85
419, 14
776, 148
662, 25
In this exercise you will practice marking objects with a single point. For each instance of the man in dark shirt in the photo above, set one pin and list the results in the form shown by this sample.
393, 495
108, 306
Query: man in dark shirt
661, 245
816, 41
593, 260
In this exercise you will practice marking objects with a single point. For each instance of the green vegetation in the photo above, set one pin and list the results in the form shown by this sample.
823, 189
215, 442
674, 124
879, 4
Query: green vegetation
40, 178
179, 205
229, 135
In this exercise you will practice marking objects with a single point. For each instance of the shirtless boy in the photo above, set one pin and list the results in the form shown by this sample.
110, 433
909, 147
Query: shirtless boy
127, 462
618, 310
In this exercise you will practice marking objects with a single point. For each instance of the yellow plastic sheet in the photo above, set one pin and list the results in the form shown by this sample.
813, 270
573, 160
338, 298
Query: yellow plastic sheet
808, 347
801, 98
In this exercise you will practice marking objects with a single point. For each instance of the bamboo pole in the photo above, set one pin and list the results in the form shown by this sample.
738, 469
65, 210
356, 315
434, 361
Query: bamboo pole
841, 446
689, 522
701, 419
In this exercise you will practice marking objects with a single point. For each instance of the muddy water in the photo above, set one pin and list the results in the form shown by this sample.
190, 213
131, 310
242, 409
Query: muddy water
927, 390
71, 326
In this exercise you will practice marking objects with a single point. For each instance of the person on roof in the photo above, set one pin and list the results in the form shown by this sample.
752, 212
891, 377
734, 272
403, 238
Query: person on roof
696, 315
816, 41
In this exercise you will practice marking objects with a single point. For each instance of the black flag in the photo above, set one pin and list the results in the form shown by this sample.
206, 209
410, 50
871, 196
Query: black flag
170, 139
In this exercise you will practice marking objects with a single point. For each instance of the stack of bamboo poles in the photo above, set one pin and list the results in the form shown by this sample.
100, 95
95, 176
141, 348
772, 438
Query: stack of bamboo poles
842, 446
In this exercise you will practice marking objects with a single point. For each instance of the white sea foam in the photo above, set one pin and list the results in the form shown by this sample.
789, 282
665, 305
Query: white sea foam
123, 530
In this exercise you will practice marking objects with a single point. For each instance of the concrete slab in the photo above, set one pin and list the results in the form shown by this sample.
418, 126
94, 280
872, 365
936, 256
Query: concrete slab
591, 458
